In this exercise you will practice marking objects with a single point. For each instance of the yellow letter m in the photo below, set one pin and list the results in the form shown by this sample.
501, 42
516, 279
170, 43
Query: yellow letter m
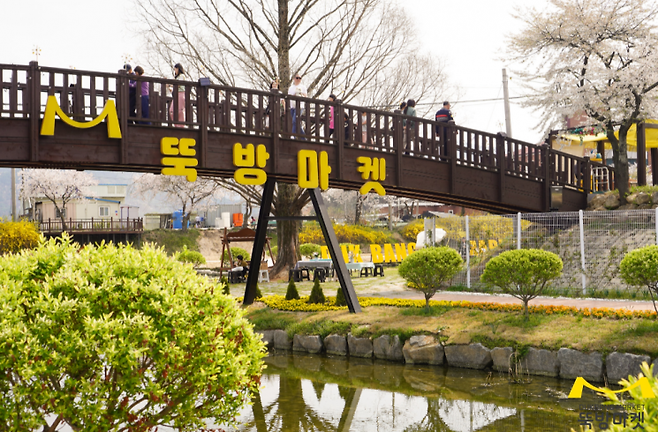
52, 108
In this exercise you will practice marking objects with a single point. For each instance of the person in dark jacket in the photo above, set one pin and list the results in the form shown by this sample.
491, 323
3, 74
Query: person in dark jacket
444, 115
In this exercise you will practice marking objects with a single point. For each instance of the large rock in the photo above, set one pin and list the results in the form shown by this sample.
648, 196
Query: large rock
359, 347
473, 356
541, 362
388, 348
654, 197
611, 201
574, 364
335, 345
310, 344
423, 350
502, 358
281, 340
620, 365
267, 336
642, 198
596, 200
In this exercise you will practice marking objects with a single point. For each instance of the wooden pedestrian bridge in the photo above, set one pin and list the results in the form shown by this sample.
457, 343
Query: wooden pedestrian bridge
73, 119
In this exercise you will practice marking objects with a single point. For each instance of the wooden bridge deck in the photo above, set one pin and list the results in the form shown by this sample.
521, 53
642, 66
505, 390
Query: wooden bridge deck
438, 162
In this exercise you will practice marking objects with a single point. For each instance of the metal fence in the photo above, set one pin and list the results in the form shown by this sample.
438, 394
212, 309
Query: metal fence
590, 244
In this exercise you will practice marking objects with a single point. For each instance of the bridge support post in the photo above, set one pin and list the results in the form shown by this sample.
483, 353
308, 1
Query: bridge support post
641, 154
34, 95
334, 250
546, 161
259, 242
500, 159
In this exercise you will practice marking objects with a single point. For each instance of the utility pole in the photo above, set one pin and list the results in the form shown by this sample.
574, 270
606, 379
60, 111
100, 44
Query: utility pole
508, 120
13, 194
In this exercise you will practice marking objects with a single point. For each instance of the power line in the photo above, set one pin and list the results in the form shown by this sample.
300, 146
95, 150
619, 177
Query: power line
455, 102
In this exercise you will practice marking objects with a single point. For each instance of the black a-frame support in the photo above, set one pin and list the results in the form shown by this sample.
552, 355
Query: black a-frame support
329, 236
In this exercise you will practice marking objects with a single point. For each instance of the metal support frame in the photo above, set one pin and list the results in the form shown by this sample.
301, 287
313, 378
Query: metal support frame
259, 242
334, 250
329, 235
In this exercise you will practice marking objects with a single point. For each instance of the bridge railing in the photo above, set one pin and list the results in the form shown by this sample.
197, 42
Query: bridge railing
92, 225
176, 103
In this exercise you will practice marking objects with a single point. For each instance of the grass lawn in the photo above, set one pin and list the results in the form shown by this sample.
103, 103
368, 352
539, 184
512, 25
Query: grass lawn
456, 325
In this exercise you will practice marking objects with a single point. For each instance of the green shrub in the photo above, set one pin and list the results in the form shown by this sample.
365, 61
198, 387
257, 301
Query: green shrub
317, 296
308, 249
235, 251
70, 314
223, 282
430, 269
292, 293
275, 250
648, 402
640, 267
15, 236
340, 298
522, 273
258, 293
192, 257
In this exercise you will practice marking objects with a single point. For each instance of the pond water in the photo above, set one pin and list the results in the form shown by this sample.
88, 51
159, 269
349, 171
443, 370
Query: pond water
317, 393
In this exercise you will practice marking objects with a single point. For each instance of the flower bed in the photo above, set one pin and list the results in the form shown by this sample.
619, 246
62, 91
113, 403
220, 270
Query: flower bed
280, 303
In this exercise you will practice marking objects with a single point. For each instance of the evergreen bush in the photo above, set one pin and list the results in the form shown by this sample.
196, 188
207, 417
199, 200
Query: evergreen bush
340, 298
317, 296
292, 293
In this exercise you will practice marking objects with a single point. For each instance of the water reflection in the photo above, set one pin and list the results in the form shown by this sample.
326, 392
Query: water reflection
314, 393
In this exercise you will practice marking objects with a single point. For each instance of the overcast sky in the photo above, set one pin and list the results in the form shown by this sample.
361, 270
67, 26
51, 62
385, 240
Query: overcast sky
469, 35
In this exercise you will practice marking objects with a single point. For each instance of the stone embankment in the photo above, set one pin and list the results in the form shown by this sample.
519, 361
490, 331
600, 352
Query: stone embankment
610, 201
425, 349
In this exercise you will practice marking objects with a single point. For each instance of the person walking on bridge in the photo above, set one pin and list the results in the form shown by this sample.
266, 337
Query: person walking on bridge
297, 89
179, 74
144, 94
444, 116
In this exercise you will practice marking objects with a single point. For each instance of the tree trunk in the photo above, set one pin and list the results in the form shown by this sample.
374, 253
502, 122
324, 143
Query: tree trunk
287, 231
525, 309
358, 210
283, 49
620, 159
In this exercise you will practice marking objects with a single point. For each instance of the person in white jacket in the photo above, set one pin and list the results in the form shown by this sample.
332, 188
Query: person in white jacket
297, 89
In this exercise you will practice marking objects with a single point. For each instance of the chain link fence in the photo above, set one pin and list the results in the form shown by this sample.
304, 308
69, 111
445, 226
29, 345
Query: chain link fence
590, 244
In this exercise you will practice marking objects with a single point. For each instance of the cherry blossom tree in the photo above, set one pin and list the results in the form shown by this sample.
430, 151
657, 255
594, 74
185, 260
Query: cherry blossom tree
594, 56
58, 186
177, 190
